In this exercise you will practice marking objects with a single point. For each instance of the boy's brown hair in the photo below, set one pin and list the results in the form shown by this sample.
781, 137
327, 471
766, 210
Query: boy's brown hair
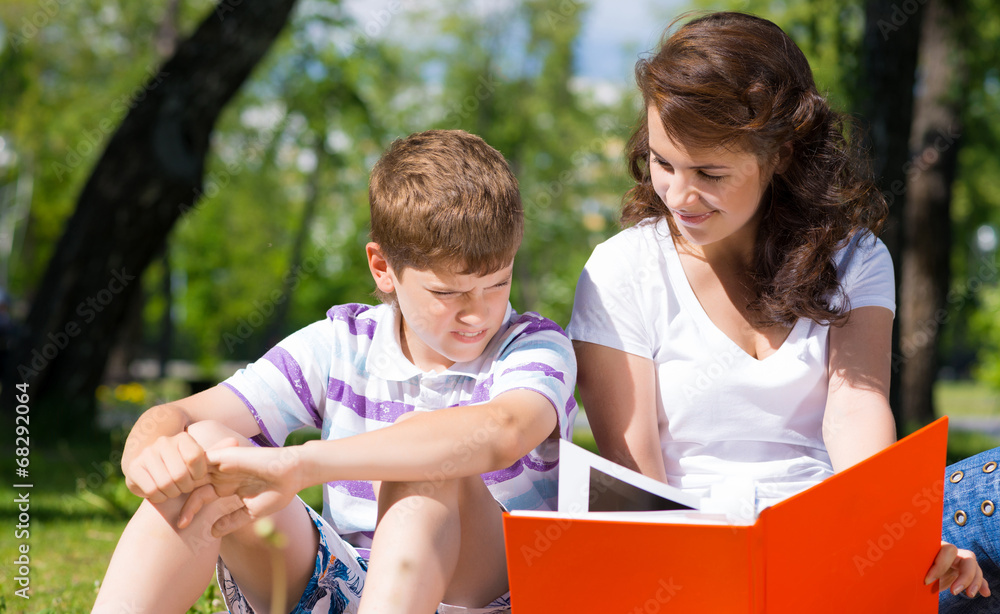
444, 198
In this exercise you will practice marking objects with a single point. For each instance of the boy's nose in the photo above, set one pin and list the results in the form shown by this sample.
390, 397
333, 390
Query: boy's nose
475, 310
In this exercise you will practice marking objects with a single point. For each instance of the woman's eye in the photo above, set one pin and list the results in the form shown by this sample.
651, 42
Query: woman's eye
708, 177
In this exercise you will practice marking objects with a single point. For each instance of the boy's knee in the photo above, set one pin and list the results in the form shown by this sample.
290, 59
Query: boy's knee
200, 529
412, 493
448, 490
424, 488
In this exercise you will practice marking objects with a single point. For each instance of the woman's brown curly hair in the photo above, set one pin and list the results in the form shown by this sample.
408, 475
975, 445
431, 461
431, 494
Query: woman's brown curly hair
739, 82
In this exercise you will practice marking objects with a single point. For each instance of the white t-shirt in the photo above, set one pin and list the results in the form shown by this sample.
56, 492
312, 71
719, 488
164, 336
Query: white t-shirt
723, 416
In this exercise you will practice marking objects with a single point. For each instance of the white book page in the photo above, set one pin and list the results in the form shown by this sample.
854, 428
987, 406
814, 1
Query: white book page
582, 491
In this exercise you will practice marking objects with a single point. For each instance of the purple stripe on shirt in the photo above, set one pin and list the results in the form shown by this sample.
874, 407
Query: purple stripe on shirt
538, 464
260, 423
355, 488
383, 411
538, 366
349, 314
526, 461
280, 358
537, 324
496, 477
261, 442
481, 393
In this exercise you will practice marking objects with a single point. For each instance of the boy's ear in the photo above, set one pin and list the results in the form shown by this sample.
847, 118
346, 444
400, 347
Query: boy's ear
380, 268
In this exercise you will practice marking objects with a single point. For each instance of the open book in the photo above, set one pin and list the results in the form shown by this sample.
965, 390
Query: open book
860, 541
591, 483
593, 487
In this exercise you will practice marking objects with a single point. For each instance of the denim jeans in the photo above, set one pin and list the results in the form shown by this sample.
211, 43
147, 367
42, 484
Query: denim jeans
972, 521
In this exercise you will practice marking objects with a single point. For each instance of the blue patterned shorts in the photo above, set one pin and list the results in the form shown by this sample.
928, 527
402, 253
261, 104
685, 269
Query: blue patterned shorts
336, 584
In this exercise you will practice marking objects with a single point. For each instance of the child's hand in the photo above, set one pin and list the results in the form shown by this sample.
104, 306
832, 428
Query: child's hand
958, 571
168, 468
265, 479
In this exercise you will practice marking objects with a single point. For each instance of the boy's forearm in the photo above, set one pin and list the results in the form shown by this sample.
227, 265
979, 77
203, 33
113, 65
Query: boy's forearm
445, 444
419, 449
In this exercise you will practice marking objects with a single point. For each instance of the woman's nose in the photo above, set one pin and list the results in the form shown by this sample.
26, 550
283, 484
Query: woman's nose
680, 193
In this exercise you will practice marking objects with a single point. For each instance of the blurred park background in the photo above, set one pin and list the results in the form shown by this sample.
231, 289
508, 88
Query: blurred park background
184, 182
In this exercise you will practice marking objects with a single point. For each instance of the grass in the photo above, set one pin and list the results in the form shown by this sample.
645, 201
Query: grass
585, 439
79, 507
68, 558
964, 398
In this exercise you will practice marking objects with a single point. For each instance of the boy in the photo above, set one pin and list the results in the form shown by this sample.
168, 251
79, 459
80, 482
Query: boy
438, 408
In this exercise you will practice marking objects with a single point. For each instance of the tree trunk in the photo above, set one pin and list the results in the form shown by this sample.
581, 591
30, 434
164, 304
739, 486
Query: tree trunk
166, 46
889, 60
165, 343
149, 175
935, 143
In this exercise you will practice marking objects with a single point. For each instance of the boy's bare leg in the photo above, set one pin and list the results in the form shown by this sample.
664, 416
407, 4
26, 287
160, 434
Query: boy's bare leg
159, 568
435, 541
156, 567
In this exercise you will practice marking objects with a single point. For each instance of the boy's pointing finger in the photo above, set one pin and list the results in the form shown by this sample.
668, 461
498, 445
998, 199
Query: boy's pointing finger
221, 453
195, 501
231, 522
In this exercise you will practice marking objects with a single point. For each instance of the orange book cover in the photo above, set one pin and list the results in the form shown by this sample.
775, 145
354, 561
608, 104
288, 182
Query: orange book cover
860, 541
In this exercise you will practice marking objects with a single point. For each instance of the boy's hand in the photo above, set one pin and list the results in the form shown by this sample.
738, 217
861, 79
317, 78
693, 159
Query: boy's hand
958, 571
265, 479
168, 468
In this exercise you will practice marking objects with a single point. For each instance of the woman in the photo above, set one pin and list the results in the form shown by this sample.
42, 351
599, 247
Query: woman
740, 329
